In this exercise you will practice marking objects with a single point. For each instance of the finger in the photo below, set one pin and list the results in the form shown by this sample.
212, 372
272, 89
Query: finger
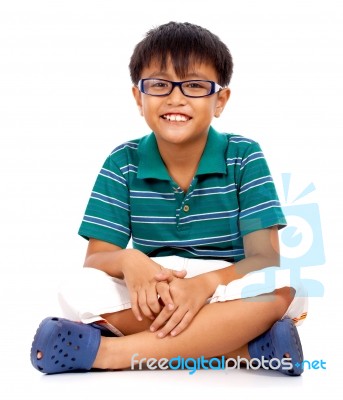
152, 300
183, 324
161, 319
164, 275
143, 305
134, 306
163, 290
179, 274
168, 274
172, 323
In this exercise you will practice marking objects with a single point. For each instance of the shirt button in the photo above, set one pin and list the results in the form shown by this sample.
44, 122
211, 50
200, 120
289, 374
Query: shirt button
186, 208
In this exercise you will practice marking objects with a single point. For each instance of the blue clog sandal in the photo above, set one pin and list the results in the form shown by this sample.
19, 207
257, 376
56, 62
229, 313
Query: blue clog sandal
61, 345
280, 348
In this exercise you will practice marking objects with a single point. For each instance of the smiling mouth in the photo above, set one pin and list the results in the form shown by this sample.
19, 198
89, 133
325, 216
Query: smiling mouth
176, 117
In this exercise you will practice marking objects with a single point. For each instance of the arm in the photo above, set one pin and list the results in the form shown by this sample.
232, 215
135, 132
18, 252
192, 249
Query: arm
111, 258
261, 249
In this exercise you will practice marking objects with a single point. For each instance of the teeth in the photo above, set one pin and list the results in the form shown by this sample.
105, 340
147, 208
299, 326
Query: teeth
176, 117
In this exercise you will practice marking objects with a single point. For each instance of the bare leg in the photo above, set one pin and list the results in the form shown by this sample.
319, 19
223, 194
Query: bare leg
126, 322
219, 328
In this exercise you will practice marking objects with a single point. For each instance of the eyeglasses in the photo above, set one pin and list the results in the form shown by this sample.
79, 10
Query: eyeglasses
192, 88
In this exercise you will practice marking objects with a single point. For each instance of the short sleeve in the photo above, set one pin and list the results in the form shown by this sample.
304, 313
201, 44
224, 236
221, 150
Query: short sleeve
107, 216
260, 207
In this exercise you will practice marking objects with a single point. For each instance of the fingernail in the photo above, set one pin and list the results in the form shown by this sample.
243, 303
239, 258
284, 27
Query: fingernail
140, 318
152, 329
160, 335
170, 306
173, 333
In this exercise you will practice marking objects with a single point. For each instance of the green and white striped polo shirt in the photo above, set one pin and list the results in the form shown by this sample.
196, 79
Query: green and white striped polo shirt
231, 195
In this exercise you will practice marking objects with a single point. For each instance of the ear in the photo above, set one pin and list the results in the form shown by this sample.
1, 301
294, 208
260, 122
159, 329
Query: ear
138, 97
223, 98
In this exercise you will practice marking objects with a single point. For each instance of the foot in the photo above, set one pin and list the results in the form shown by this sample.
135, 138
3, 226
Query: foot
279, 348
61, 345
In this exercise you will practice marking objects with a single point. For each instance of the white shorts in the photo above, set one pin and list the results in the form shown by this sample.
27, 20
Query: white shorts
92, 293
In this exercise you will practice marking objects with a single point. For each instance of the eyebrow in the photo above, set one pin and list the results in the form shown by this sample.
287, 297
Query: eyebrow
189, 76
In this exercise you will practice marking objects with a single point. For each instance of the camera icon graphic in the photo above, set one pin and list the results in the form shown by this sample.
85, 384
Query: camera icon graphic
301, 242
301, 245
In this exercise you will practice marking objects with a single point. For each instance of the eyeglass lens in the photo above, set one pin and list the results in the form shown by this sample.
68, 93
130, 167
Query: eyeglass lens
159, 87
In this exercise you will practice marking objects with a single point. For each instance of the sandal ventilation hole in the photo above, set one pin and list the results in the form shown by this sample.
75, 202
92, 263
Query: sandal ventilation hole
63, 356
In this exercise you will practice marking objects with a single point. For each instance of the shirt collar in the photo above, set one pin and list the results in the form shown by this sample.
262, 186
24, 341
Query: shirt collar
150, 163
212, 161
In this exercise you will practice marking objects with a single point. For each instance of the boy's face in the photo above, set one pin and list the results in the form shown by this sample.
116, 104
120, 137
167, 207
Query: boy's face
196, 113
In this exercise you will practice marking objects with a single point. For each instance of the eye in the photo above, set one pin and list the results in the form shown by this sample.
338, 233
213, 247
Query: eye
196, 85
158, 84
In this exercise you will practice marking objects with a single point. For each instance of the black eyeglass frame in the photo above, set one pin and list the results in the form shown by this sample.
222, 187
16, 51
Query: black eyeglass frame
215, 87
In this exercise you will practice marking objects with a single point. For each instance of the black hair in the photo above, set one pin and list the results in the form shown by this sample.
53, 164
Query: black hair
186, 44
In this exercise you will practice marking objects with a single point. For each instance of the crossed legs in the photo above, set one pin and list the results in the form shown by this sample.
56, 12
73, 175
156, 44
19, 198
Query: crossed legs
218, 329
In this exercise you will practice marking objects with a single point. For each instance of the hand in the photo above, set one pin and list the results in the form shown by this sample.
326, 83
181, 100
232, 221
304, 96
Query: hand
139, 274
189, 296
163, 278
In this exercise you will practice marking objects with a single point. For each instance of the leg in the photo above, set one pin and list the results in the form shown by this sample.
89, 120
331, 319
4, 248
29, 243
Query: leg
126, 322
217, 329
61, 345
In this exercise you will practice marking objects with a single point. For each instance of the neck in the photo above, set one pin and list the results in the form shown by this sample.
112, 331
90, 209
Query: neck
182, 160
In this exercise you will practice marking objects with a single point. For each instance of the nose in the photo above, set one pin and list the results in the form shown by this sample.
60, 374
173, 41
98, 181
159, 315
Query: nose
176, 96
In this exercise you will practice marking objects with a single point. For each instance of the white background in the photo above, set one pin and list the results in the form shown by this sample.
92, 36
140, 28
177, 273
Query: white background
65, 103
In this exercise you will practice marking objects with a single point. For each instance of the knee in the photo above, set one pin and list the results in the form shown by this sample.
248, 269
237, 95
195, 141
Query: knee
286, 292
76, 294
285, 296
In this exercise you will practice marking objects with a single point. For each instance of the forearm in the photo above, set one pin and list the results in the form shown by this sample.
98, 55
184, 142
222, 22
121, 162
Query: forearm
113, 262
224, 276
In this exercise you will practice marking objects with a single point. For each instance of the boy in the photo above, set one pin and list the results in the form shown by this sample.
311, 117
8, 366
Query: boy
203, 215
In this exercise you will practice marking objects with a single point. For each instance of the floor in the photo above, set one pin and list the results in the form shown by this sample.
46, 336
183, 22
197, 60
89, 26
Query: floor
166, 385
